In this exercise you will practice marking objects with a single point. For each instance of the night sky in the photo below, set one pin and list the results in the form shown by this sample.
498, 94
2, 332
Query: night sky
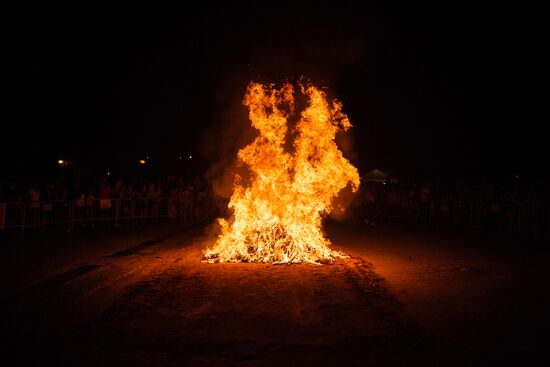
431, 92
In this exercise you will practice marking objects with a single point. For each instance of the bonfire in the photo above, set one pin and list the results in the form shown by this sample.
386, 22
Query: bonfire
296, 171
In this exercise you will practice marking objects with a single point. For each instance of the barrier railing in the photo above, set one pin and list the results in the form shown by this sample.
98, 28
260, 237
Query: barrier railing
25, 216
532, 220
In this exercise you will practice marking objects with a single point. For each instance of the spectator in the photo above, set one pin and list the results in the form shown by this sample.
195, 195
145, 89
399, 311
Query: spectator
105, 194
117, 195
34, 200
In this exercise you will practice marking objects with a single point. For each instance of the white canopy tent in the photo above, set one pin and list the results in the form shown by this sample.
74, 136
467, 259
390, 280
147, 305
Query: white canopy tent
377, 176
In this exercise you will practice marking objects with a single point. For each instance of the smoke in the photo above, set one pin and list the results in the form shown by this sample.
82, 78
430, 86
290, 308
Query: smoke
343, 204
284, 48
222, 143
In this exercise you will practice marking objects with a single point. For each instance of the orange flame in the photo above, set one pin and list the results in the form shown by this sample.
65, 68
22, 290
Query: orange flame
277, 216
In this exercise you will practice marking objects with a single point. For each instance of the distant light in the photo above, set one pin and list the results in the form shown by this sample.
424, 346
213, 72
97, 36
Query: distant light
190, 157
147, 158
61, 161
142, 161
517, 176
108, 173
179, 157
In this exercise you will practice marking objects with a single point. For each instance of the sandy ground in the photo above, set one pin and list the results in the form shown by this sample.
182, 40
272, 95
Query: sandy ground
404, 297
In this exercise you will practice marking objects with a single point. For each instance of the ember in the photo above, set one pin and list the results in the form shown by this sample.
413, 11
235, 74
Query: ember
277, 213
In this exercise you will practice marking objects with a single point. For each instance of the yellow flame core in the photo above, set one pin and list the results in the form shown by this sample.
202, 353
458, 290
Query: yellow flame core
277, 216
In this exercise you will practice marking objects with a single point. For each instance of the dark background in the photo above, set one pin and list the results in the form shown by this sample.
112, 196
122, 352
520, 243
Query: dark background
448, 93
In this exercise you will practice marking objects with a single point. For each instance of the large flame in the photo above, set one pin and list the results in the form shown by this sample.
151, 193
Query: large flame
277, 215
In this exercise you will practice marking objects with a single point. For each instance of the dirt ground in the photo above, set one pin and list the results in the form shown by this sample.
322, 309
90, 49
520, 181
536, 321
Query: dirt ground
404, 297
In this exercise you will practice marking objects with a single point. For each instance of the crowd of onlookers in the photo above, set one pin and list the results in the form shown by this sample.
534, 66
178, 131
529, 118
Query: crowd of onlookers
61, 189
118, 202
513, 207
523, 209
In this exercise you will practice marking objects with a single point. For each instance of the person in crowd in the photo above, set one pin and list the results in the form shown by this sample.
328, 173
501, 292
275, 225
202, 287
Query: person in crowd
106, 192
172, 203
34, 206
117, 195
369, 202
78, 202
129, 201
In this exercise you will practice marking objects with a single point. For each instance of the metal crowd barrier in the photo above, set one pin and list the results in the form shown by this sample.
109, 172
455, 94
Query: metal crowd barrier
33, 216
530, 220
